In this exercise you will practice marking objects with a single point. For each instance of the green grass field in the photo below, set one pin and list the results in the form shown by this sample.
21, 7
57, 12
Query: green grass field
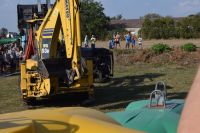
9, 95
130, 83
137, 81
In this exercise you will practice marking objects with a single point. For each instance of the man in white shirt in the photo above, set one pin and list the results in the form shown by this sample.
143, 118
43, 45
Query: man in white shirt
93, 40
140, 42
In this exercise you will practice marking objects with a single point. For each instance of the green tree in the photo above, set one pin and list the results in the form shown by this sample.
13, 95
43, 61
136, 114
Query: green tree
155, 26
167, 27
189, 27
118, 17
146, 28
185, 28
152, 16
93, 19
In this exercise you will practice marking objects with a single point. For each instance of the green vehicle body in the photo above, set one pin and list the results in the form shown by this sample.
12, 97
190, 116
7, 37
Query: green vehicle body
142, 116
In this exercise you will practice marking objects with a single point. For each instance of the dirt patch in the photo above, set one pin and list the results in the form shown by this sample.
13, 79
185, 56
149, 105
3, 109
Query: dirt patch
177, 56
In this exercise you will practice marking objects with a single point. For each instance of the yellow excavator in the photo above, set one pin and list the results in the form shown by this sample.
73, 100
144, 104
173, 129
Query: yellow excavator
44, 71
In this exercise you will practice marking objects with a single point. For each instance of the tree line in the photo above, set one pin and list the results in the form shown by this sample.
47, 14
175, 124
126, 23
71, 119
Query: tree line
95, 22
158, 27
93, 19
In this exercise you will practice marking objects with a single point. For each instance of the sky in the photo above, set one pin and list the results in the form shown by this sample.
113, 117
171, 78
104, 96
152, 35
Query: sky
129, 9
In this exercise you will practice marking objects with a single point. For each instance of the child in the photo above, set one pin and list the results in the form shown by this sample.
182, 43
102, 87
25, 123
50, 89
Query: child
140, 42
117, 40
128, 40
133, 41
111, 44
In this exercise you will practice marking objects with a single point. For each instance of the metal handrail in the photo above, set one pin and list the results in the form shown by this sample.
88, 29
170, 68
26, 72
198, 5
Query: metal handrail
161, 98
164, 90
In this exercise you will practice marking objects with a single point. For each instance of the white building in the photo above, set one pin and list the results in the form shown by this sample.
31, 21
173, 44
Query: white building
132, 25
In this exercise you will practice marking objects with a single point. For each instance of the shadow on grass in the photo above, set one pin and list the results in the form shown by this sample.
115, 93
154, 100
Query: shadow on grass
118, 93
121, 91
180, 95
59, 100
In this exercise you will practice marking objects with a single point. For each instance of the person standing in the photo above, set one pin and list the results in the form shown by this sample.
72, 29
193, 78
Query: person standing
111, 44
128, 40
22, 40
1, 59
93, 41
117, 40
133, 38
86, 41
113, 39
140, 42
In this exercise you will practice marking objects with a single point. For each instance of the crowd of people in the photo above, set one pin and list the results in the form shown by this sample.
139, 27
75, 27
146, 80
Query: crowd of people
10, 54
130, 38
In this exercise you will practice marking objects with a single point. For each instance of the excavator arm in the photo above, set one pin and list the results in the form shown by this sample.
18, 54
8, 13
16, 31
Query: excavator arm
64, 16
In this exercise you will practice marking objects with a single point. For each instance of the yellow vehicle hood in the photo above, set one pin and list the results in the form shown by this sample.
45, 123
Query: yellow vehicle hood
62, 120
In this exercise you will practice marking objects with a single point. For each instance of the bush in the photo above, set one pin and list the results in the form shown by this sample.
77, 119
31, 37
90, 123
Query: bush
189, 47
160, 48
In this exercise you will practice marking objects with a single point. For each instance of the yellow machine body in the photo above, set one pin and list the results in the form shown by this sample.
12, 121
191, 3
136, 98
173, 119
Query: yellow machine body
63, 120
36, 78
